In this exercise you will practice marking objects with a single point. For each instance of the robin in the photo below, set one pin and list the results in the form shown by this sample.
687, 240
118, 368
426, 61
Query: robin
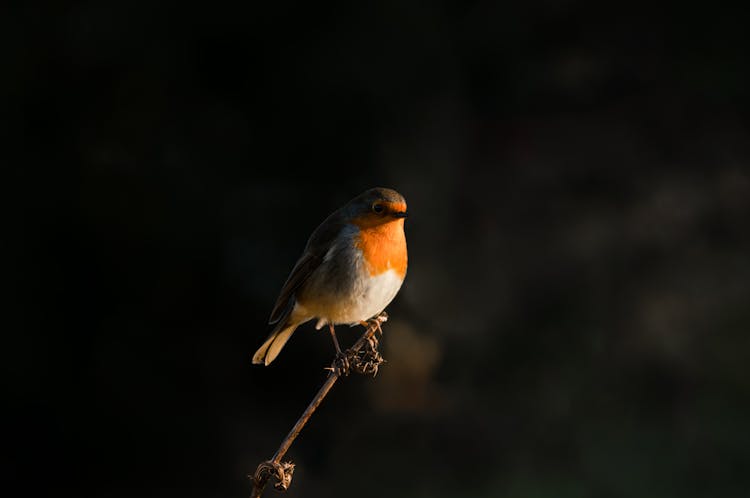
352, 268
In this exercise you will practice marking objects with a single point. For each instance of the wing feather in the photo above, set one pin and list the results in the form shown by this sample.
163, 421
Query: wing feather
321, 240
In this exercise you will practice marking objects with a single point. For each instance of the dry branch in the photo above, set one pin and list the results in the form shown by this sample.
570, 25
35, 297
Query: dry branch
363, 357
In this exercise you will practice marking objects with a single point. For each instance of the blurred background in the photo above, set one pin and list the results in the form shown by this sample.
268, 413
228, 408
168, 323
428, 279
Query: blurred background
575, 318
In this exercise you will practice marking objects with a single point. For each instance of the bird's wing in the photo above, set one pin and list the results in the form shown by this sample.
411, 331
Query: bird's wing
321, 240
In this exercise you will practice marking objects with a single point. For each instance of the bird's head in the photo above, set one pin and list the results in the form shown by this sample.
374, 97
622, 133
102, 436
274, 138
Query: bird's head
377, 206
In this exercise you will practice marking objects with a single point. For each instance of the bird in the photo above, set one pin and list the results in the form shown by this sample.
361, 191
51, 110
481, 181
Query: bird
352, 267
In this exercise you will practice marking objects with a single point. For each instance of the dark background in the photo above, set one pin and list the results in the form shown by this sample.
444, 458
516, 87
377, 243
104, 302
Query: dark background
575, 318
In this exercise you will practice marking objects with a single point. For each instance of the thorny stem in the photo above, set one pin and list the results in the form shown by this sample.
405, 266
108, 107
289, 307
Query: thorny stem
282, 472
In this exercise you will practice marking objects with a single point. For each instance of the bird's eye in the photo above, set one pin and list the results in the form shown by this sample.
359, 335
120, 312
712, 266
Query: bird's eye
377, 208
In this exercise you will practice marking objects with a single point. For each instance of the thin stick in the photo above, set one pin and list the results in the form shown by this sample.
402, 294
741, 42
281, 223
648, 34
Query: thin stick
282, 472
287, 442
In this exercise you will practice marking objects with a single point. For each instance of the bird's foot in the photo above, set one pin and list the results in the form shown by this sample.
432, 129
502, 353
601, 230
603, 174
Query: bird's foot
368, 359
372, 343
376, 322
341, 364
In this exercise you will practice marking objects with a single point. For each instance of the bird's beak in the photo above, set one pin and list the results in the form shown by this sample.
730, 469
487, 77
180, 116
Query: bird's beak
401, 214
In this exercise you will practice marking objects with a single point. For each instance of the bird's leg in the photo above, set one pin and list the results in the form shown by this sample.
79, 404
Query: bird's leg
375, 322
335, 340
341, 363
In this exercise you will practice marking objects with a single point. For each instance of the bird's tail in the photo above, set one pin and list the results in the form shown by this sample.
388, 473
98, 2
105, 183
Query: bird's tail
272, 347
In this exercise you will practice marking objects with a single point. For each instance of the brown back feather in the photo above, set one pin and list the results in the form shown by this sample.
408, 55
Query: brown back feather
317, 246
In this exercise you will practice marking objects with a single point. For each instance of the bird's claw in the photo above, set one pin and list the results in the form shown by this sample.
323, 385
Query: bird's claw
373, 343
366, 360
341, 364
376, 322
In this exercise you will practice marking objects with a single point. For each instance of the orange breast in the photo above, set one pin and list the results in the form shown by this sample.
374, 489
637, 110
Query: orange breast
383, 247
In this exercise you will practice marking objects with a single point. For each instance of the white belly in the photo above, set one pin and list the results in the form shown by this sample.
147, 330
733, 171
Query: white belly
378, 293
372, 295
